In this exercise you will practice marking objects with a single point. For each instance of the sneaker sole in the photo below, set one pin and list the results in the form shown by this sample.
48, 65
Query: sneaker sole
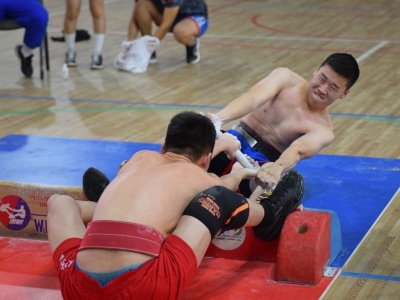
273, 231
194, 61
97, 67
94, 183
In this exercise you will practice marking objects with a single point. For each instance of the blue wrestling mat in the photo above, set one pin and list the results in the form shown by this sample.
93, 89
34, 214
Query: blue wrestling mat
356, 188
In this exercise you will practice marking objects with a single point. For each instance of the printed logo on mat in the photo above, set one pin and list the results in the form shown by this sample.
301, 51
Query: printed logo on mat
14, 212
230, 240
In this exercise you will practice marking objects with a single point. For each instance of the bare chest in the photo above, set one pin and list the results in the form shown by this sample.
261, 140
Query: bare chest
285, 118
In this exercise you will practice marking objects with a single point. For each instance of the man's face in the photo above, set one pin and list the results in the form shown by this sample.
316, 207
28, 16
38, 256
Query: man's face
326, 87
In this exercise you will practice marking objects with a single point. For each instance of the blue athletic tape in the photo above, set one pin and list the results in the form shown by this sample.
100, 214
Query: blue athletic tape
370, 276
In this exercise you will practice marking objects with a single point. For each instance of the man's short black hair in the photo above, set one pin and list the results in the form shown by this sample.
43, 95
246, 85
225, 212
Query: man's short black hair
345, 65
190, 134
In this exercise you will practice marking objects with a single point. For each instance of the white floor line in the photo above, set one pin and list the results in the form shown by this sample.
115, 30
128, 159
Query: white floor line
372, 51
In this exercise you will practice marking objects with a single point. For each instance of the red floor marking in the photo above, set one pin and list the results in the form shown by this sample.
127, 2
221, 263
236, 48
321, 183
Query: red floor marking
28, 293
27, 270
220, 278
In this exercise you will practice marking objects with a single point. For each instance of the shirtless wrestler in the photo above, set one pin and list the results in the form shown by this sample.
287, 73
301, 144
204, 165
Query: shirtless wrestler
284, 118
150, 229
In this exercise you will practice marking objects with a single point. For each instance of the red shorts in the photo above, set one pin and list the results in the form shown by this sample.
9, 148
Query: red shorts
162, 277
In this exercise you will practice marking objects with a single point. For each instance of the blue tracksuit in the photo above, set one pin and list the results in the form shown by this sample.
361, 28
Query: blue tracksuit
31, 15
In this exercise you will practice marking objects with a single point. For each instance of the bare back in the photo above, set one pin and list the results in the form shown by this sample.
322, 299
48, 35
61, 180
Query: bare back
152, 189
287, 116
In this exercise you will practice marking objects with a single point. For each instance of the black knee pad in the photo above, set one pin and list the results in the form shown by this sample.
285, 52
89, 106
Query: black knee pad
219, 207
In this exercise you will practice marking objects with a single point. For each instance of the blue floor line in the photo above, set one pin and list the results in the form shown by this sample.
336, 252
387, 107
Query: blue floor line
370, 276
158, 104
108, 101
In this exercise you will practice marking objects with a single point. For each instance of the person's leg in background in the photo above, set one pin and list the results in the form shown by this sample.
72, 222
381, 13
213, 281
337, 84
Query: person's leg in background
187, 32
73, 8
99, 28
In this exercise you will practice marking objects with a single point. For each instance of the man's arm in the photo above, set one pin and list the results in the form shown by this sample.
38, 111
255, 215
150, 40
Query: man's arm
238, 173
305, 146
227, 143
263, 91
169, 16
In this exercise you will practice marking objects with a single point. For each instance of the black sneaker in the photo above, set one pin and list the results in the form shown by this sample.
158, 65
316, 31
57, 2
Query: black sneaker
97, 62
284, 200
94, 183
26, 62
153, 58
193, 53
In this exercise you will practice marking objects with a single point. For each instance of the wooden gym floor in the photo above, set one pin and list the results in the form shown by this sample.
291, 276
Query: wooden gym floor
245, 41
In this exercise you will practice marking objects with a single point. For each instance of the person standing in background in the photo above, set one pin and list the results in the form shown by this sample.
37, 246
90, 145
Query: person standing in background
73, 8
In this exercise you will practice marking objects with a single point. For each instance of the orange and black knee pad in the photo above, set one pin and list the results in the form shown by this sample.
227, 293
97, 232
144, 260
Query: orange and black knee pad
219, 207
